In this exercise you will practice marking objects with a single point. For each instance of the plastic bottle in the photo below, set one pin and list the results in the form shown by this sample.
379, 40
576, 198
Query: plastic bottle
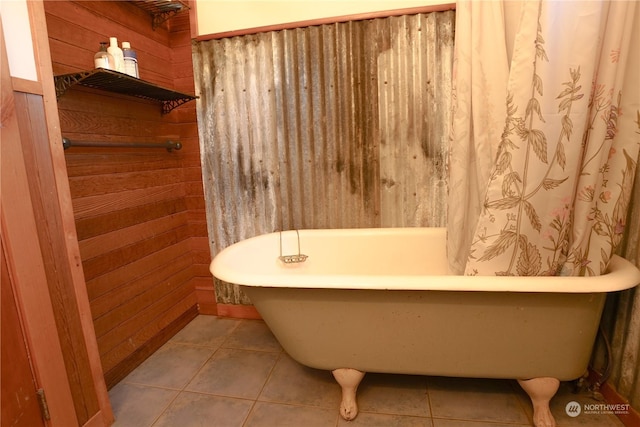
130, 60
118, 57
103, 59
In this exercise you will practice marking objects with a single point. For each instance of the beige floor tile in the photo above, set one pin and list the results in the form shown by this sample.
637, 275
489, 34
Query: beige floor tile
293, 383
475, 400
200, 410
138, 406
394, 394
438, 422
235, 373
277, 415
172, 366
385, 420
209, 331
252, 335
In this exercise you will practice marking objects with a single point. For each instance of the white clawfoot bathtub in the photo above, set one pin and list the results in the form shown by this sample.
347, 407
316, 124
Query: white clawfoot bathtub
382, 300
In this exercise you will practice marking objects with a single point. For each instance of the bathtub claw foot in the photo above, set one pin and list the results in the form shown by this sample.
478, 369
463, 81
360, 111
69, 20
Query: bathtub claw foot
349, 379
541, 390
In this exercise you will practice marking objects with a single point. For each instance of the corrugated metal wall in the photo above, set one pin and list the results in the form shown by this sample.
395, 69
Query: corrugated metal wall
331, 126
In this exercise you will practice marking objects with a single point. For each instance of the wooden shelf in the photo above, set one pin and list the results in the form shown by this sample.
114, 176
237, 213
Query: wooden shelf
113, 81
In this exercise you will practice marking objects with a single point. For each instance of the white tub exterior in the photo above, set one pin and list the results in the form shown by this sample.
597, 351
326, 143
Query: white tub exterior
381, 300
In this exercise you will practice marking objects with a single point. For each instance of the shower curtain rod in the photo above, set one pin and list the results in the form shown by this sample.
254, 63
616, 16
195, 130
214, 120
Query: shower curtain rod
169, 145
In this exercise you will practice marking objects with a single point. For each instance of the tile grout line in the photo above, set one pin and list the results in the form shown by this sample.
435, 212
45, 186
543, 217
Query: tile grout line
197, 371
163, 410
257, 399
428, 392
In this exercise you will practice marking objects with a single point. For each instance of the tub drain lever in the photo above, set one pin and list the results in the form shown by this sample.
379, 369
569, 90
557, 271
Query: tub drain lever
292, 259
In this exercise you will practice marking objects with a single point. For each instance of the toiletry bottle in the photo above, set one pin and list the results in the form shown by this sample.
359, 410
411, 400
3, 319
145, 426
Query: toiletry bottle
103, 59
130, 60
114, 50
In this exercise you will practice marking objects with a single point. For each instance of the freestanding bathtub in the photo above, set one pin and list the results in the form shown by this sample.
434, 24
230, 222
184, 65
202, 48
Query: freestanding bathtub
381, 300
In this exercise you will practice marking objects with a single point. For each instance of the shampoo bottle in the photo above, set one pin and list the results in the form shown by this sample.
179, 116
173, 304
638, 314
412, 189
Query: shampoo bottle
130, 60
103, 59
116, 52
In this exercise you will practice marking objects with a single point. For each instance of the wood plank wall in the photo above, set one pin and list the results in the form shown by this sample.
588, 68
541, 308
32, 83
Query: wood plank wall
139, 213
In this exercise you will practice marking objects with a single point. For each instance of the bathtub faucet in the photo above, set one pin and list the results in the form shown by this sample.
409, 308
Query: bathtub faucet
292, 259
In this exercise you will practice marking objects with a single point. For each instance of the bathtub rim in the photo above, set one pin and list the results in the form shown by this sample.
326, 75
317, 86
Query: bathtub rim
621, 275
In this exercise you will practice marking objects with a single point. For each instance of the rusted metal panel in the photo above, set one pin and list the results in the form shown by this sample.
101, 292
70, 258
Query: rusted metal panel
414, 91
329, 126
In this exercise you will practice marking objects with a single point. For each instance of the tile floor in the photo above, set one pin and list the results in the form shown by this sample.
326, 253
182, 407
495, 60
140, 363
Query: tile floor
220, 372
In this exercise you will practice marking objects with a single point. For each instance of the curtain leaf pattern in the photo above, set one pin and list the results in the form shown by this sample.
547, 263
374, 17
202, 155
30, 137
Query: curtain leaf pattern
557, 197
583, 203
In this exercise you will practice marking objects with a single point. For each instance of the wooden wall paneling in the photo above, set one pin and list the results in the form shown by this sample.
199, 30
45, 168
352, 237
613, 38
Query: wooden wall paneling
126, 284
92, 206
111, 118
171, 308
133, 208
113, 220
97, 161
134, 314
95, 267
186, 117
193, 19
104, 243
111, 129
85, 162
107, 104
152, 301
206, 296
92, 22
118, 305
127, 181
123, 16
135, 270
130, 23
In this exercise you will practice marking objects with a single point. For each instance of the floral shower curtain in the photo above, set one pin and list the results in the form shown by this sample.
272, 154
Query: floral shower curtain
549, 195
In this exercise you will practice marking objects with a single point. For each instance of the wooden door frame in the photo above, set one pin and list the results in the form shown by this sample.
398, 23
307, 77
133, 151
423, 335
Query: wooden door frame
22, 247
26, 269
